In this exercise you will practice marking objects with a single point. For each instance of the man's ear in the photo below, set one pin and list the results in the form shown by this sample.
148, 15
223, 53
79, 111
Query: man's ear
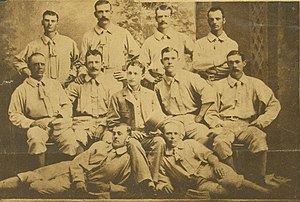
245, 63
95, 14
224, 21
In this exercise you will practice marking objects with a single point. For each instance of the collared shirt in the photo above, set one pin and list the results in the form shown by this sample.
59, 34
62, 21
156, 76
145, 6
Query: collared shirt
181, 162
27, 105
152, 47
212, 51
182, 94
92, 96
240, 99
116, 44
62, 54
101, 163
139, 120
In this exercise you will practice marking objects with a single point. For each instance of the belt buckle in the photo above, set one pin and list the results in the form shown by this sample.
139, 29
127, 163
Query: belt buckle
211, 77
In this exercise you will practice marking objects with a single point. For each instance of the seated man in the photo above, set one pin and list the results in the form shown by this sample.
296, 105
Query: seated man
184, 95
236, 116
134, 105
92, 99
190, 165
41, 107
102, 168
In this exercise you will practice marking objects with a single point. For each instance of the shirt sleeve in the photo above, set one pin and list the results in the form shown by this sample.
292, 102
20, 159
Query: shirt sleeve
84, 48
75, 63
189, 45
201, 62
113, 115
163, 178
66, 105
207, 93
201, 152
273, 107
133, 48
145, 54
72, 91
16, 111
20, 60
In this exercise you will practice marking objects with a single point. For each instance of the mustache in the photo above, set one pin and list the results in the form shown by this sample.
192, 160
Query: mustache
103, 18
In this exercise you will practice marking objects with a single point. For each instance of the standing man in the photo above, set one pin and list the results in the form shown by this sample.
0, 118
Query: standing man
115, 44
184, 95
102, 168
60, 52
92, 100
239, 119
187, 164
164, 36
134, 105
41, 107
211, 51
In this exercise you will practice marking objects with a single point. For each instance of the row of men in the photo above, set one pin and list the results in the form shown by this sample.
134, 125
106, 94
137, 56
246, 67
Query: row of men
64, 63
41, 106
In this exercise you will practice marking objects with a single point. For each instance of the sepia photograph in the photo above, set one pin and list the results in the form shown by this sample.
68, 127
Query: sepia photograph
149, 100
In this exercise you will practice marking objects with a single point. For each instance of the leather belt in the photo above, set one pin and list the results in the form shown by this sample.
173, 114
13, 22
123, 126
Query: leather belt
235, 118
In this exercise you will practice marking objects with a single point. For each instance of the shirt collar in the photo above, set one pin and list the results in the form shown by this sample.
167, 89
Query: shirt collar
159, 36
131, 90
169, 79
34, 83
46, 39
169, 151
119, 151
232, 81
99, 30
98, 79
211, 37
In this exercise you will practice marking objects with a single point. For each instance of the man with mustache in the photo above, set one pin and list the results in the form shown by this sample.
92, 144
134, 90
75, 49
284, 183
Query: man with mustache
211, 51
164, 36
41, 107
61, 53
92, 100
102, 168
115, 44
236, 116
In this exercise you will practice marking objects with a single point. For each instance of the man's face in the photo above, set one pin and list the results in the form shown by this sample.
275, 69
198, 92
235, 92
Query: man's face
235, 63
94, 65
120, 135
103, 13
37, 67
163, 18
216, 20
134, 75
49, 23
170, 61
172, 135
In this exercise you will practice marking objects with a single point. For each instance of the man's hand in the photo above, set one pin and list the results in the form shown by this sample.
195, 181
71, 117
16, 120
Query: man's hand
117, 188
80, 79
120, 75
257, 124
168, 189
80, 187
218, 169
42, 123
138, 135
26, 72
198, 118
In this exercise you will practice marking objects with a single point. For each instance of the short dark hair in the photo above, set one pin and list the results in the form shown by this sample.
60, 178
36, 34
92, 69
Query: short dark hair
128, 129
102, 2
164, 8
92, 52
236, 52
52, 13
167, 50
32, 55
136, 63
213, 9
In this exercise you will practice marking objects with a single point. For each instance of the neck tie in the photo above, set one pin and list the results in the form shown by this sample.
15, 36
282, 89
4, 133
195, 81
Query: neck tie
45, 99
94, 95
184, 163
52, 60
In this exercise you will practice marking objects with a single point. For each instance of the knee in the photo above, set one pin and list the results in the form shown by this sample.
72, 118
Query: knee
222, 146
257, 140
